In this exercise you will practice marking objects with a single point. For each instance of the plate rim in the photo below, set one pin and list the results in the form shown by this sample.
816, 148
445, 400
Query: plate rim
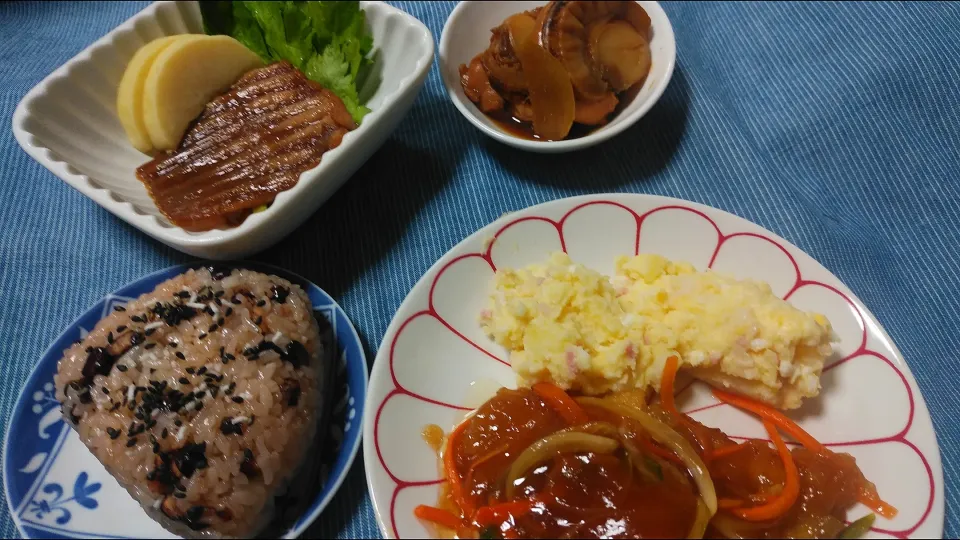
378, 373
307, 519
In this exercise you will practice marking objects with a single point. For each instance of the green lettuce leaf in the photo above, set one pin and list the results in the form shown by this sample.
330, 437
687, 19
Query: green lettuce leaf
332, 70
326, 40
246, 31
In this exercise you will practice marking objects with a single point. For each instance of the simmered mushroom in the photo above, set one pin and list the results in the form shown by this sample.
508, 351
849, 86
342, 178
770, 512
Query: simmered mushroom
594, 113
621, 52
476, 85
579, 55
565, 30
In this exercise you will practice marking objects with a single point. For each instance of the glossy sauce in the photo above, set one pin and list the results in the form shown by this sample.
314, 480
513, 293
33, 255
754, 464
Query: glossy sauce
589, 495
524, 130
829, 484
585, 494
432, 434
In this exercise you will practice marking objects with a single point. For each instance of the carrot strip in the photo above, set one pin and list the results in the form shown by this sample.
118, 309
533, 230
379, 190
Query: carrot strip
667, 382
666, 386
727, 504
772, 415
498, 513
558, 400
757, 498
725, 451
781, 503
872, 501
438, 516
453, 476
875, 503
661, 452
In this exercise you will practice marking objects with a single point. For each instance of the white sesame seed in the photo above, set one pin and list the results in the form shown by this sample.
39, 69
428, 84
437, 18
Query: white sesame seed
155, 413
239, 419
213, 307
195, 305
246, 395
193, 298
276, 336
202, 387
190, 406
155, 324
223, 387
130, 390
183, 430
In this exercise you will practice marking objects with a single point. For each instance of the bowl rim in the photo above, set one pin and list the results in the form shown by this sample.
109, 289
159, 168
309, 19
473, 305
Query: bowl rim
468, 109
320, 503
257, 223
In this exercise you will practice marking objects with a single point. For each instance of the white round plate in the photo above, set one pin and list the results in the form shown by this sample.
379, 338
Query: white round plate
56, 488
434, 351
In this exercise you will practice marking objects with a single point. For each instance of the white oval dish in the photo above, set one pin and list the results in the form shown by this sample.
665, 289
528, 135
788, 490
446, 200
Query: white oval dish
467, 33
435, 364
68, 123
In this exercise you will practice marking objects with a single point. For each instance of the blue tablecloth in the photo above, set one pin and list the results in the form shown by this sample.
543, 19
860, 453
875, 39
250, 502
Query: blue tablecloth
833, 125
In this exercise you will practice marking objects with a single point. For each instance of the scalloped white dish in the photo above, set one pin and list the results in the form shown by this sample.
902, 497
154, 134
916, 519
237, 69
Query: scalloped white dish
68, 123
435, 364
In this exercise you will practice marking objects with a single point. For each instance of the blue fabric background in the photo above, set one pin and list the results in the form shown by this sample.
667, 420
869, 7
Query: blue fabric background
833, 125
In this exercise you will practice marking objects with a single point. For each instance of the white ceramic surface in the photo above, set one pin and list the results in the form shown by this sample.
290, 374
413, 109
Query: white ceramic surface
435, 364
467, 33
68, 123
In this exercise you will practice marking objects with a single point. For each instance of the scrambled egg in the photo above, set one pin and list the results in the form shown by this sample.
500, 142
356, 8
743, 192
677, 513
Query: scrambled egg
565, 323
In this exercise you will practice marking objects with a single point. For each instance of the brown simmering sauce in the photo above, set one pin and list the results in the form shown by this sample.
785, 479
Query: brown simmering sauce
524, 130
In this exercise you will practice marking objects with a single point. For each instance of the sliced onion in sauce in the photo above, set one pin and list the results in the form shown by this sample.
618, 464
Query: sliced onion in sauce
731, 527
549, 86
603, 429
561, 442
702, 520
638, 460
665, 435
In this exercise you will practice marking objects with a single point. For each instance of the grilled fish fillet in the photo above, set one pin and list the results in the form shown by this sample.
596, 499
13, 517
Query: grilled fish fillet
247, 146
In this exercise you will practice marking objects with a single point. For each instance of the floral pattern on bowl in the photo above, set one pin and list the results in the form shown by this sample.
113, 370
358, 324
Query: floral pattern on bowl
55, 486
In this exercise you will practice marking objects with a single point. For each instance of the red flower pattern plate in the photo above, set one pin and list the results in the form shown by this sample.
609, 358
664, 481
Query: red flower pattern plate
435, 364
